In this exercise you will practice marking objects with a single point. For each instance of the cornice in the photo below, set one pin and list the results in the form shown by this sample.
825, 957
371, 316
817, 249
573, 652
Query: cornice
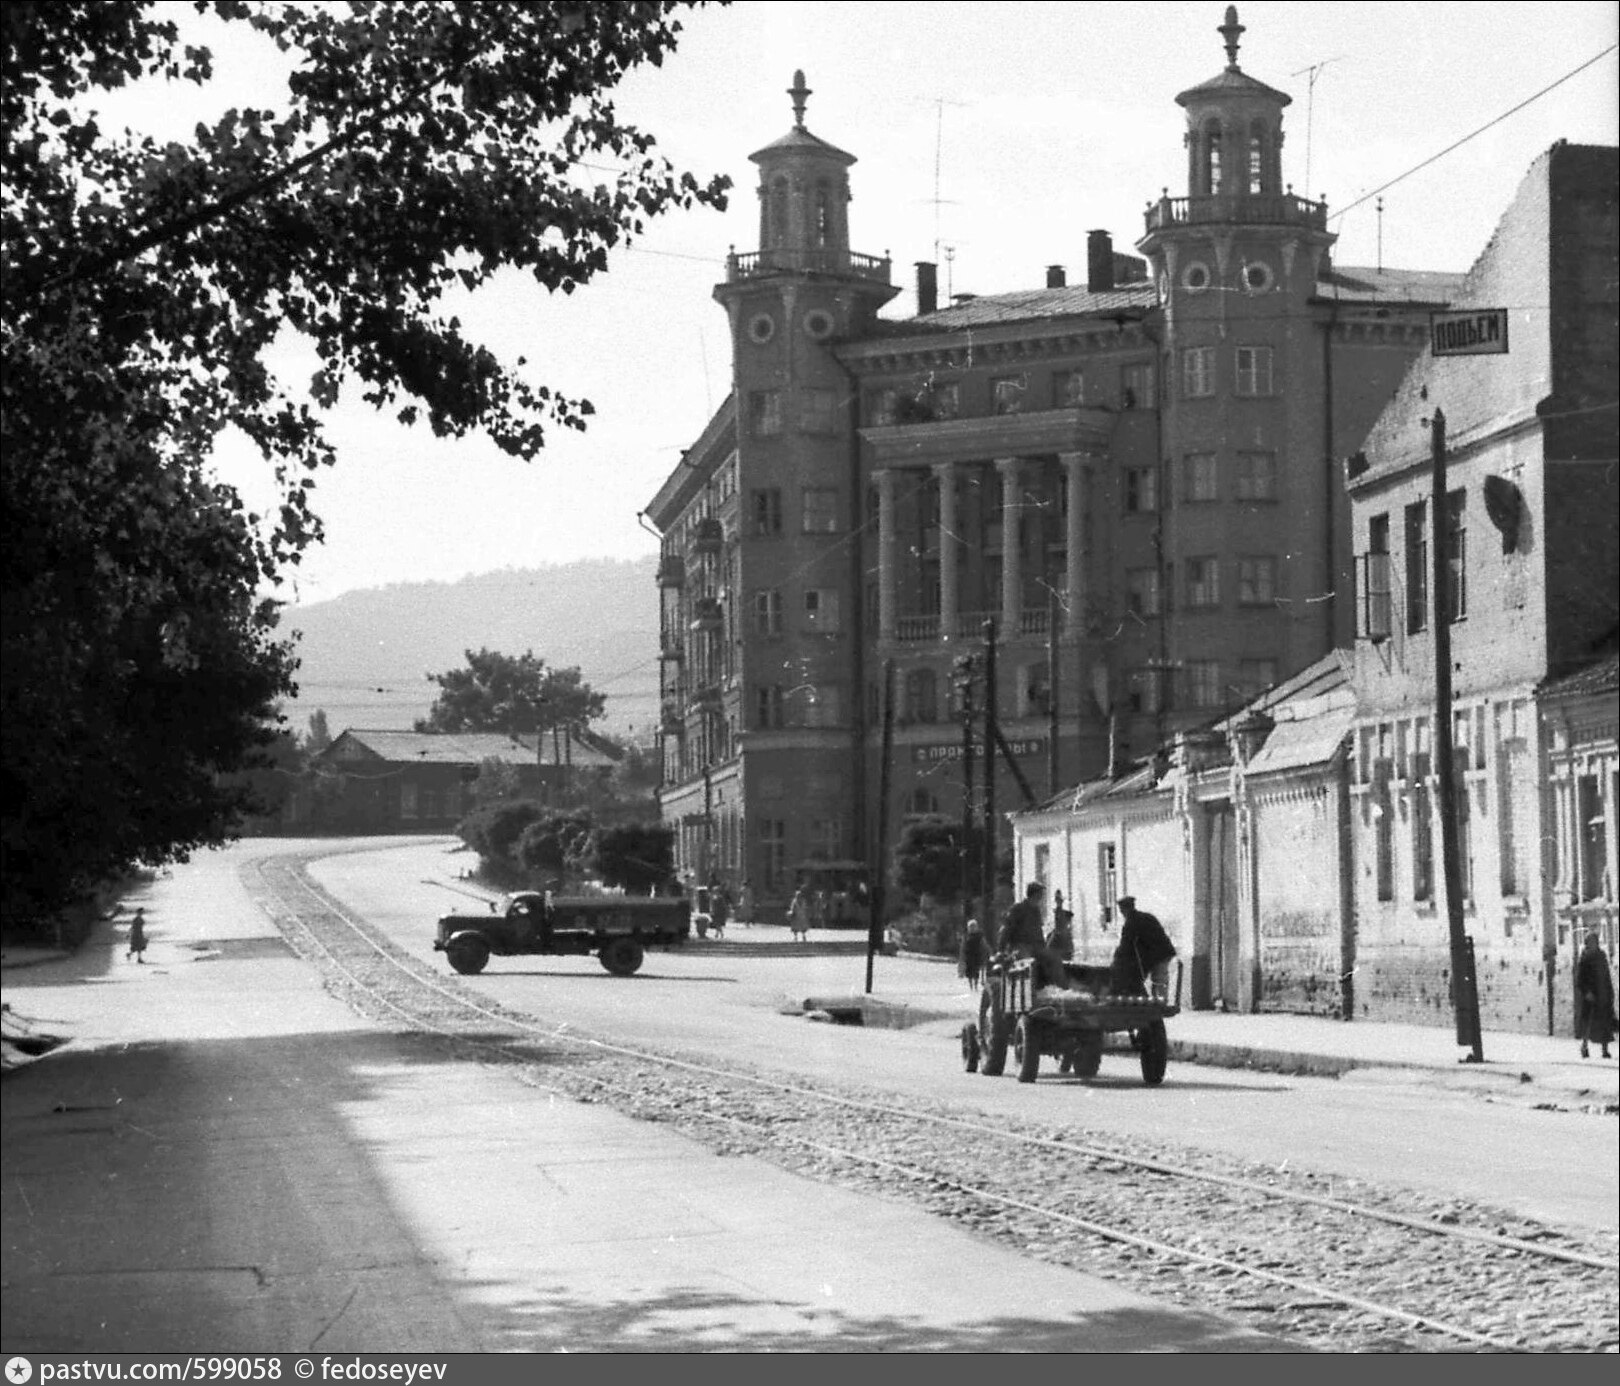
970, 348
997, 435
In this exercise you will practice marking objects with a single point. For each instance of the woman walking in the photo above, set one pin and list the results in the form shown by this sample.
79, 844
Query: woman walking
137, 937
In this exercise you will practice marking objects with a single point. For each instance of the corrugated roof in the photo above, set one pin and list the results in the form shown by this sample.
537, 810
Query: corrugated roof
469, 748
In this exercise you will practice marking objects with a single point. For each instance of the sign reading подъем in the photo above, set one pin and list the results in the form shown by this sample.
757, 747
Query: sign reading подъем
1469, 332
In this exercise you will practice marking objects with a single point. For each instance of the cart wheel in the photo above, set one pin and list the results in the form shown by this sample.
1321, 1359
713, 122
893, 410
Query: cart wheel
1155, 1053
970, 1047
1026, 1045
622, 956
993, 1033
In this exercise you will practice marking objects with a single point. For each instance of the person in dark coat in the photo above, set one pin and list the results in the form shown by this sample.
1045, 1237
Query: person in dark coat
719, 910
1594, 998
137, 937
974, 951
1061, 939
1144, 952
1024, 936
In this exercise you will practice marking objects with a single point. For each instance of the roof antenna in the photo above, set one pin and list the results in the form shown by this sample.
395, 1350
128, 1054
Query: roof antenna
1315, 70
1380, 206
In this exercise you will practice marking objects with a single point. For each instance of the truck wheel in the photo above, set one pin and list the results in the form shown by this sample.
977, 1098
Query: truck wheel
467, 953
622, 956
1155, 1053
970, 1047
1088, 1055
993, 1033
1027, 1046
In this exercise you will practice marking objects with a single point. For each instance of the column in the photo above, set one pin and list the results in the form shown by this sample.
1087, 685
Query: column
1074, 470
1012, 574
950, 547
887, 575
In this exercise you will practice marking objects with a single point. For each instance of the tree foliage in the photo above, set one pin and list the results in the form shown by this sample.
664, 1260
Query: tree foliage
928, 858
560, 844
422, 148
640, 857
514, 694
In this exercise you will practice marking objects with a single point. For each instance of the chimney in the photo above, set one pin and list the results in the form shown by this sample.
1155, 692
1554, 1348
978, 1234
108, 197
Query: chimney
1055, 277
1099, 261
927, 287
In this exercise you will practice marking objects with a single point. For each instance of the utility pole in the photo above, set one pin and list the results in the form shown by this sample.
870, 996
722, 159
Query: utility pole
1464, 984
987, 867
879, 868
964, 684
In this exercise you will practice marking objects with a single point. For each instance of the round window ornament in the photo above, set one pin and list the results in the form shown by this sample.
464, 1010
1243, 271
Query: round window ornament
1195, 278
1257, 277
761, 328
818, 324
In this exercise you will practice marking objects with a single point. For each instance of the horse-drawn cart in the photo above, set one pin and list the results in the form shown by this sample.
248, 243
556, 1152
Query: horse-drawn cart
1069, 1023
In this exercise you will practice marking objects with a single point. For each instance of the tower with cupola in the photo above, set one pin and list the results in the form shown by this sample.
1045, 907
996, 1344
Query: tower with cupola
795, 558
1258, 526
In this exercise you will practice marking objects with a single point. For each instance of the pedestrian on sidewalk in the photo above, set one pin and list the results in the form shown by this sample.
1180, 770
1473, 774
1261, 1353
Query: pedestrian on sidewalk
1594, 998
719, 909
137, 937
973, 955
1061, 939
799, 916
745, 903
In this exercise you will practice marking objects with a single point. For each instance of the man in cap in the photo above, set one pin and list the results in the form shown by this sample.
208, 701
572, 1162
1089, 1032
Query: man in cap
1023, 934
1144, 952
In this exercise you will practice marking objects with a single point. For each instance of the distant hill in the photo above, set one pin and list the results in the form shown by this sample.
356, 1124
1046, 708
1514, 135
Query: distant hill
366, 655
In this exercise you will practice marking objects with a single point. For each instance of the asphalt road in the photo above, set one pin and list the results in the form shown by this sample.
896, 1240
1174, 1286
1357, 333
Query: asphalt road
1553, 1166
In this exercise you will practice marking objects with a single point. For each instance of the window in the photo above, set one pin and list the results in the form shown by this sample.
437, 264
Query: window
1212, 156
407, 799
1201, 477
821, 610
822, 705
1515, 793
773, 852
1257, 476
768, 612
943, 401
1375, 582
1203, 582
1203, 683
1255, 676
1037, 690
1043, 862
1107, 880
826, 839
1136, 386
1144, 691
1141, 490
1069, 389
1197, 372
765, 413
766, 510
823, 230
1007, 394
882, 407
1383, 811
922, 696
922, 803
1253, 371
1593, 844
1417, 569
1257, 158
1422, 814
818, 411
1257, 581
768, 706
1465, 823
820, 510
1456, 555
1142, 591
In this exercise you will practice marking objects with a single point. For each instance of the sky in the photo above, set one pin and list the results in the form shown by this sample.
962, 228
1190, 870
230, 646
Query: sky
990, 138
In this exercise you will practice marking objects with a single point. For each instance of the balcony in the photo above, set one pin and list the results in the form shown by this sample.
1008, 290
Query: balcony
1271, 209
760, 263
916, 629
671, 571
1032, 621
708, 537
707, 614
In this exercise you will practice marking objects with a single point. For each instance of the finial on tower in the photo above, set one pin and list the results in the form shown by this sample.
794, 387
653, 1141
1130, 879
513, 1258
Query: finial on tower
800, 94
1231, 29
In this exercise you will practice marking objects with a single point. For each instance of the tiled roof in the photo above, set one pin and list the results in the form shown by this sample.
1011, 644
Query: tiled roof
1602, 676
1074, 301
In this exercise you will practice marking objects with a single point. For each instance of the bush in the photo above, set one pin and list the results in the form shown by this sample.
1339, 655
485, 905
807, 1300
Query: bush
493, 830
557, 844
928, 859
